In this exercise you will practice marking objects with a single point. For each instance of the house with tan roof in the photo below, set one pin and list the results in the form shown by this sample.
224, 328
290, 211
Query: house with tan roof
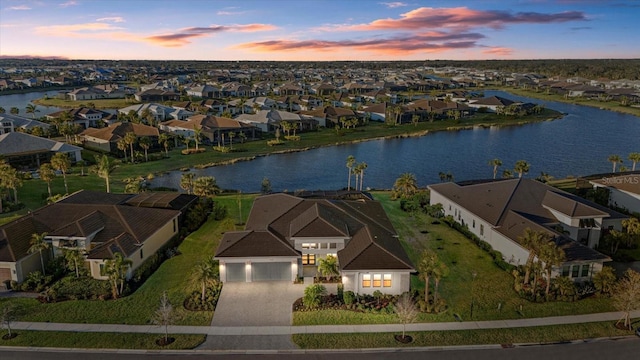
623, 188
213, 128
98, 224
106, 139
286, 236
499, 211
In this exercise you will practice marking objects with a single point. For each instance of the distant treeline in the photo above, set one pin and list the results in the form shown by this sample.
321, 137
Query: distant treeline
612, 69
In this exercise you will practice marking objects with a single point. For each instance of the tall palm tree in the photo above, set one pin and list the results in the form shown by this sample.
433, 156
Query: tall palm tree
74, 259
145, 144
10, 179
197, 135
186, 181
439, 271
533, 241
361, 168
205, 273
328, 266
60, 161
351, 161
231, 136
635, 158
31, 109
122, 146
552, 256
130, 139
405, 186
37, 245
496, 163
426, 265
615, 160
104, 167
47, 174
163, 140
116, 269
521, 167
205, 186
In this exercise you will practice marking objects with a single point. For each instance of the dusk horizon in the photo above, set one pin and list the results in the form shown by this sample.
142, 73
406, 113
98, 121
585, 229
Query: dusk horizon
318, 31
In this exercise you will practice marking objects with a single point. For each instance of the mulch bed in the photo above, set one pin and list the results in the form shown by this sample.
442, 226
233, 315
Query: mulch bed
7, 337
164, 342
405, 340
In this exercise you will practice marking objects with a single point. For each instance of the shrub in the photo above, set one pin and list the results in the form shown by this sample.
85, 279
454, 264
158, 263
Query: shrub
340, 291
219, 211
222, 149
348, 297
83, 288
313, 296
275, 142
194, 301
292, 138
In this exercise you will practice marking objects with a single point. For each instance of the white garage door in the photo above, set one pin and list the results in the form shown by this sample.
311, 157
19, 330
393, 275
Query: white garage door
276, 271
236, 272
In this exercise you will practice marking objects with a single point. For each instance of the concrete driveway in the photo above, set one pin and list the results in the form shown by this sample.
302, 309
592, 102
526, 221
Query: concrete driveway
265, 303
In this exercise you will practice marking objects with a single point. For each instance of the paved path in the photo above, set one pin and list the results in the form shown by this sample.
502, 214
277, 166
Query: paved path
288, 330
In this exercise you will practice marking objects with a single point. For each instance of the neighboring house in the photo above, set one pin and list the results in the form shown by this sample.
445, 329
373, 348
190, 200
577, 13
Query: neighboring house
160, 95
624, 189
24, 151
376, 112
99, 224
10, 123
203, 91
492, 103
94, 93
499, 211
106, 139
212, 127
83, 116
269, 120
286, 236
158, 112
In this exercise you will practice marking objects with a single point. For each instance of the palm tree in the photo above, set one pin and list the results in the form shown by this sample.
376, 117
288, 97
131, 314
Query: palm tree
351, 160
426, 265
507, 174
552, 256
14, 110
74, 258
186, 182
197, 135
60, 161
495, 163
615, 160
635, 158
122, 145
47, 174
163, 140
205, 186
328, 266
205, 273
522, 167
231, 136
104, 167
439, 271
2, 110
405, 186
130, 139
361, 168
9, 178
242, 136
37, 245
532, 241
32, 109
145, 143
116, 269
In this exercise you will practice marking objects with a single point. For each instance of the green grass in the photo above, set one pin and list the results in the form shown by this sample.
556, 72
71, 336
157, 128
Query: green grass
99, 103
491, 287
138, 307
541, 334
59, 339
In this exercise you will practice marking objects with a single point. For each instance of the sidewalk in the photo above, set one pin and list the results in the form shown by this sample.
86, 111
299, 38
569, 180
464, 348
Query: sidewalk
288, 330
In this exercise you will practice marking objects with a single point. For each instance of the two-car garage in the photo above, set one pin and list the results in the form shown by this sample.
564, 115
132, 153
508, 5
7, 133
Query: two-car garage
258, 271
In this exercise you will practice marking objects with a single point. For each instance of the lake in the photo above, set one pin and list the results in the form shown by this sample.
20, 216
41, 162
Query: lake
576, 145
22, 100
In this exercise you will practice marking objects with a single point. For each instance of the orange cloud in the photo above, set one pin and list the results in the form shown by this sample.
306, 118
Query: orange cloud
462, 17
181, 38
502, 51
427, 42
76, 30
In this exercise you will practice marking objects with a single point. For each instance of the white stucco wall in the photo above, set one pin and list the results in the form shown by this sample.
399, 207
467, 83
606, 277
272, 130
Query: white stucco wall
400, 281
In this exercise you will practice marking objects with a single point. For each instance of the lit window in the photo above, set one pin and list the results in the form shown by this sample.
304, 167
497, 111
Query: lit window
387, 280
308, 259
377, 280
366, 280
309, 245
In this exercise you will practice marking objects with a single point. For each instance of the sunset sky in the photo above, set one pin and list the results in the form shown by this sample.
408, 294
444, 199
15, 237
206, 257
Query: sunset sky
320, 29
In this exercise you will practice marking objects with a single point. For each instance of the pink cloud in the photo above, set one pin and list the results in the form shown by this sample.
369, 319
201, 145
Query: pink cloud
182, 36
502, 51
463, 17
427, 42
394, 4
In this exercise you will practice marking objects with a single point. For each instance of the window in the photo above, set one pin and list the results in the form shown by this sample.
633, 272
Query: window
308, 259
387, 280
141, 254
575, 271
309, 245
175, 224
333, 245
102, 273
565, 270
366, 280
474, 223
481, 230
585, 270
377, 280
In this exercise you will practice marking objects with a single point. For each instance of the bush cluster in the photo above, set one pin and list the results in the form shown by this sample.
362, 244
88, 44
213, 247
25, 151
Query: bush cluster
82, 288
194, 301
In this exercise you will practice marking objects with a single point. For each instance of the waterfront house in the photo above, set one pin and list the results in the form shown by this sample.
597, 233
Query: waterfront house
286, 236
24, 151
106, 139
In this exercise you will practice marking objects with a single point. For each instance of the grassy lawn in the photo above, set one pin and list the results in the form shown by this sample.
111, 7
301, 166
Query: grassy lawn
139, 307
492, 289
59, 339
541, 334
99, 103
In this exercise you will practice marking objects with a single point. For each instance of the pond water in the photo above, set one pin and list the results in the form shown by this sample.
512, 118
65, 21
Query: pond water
22, 100
576, 145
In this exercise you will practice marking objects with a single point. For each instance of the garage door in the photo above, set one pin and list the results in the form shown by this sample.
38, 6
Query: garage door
236, 272
271, 271
5, 274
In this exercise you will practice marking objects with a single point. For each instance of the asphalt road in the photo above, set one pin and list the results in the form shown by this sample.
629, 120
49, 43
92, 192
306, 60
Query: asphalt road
625, 348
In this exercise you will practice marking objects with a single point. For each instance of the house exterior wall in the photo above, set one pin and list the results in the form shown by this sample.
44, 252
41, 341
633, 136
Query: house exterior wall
97, 144
356, 281
622, 199
28, 264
